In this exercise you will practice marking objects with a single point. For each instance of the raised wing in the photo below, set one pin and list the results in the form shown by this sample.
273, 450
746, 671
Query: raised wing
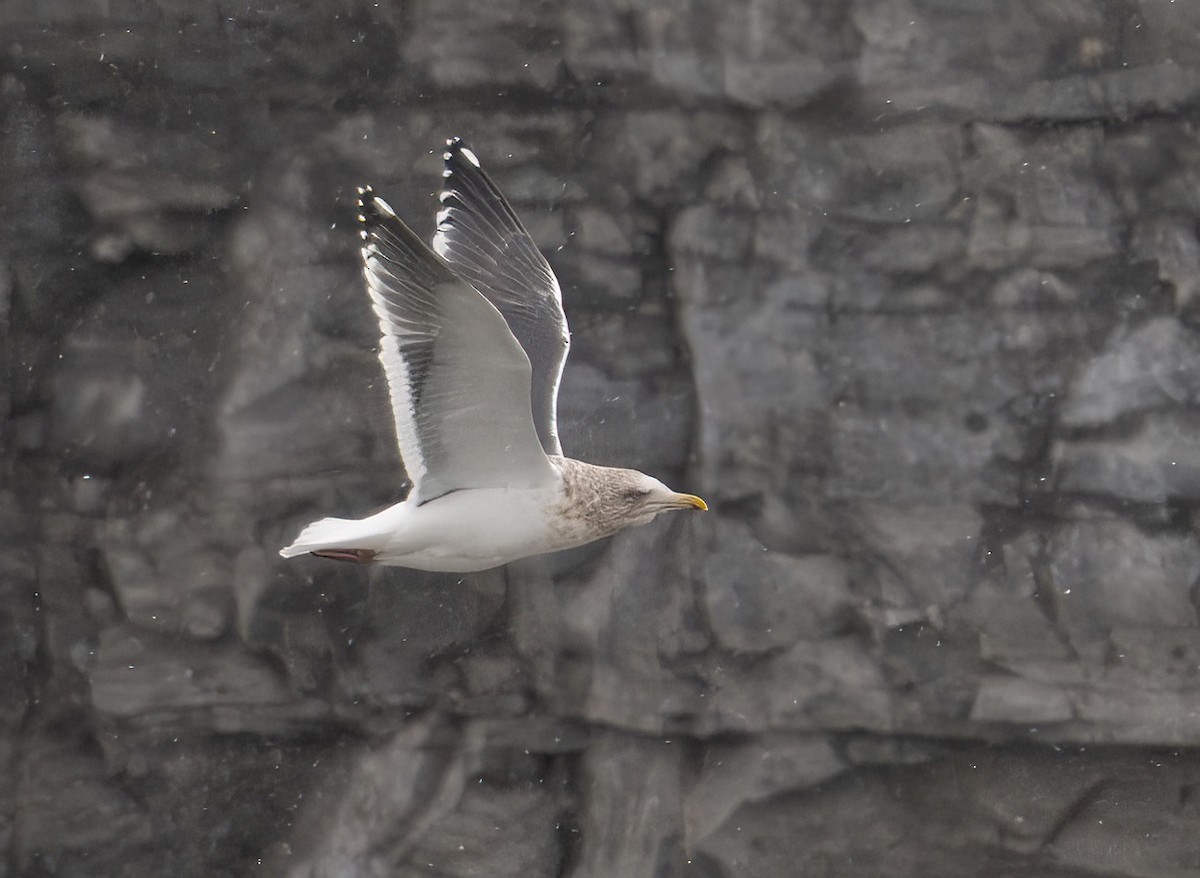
459, 380
480, 236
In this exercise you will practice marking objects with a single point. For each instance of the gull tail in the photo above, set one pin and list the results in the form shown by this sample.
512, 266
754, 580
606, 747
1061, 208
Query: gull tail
343, 539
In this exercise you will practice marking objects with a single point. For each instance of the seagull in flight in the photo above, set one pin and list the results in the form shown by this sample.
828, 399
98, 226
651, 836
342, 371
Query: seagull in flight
474, 339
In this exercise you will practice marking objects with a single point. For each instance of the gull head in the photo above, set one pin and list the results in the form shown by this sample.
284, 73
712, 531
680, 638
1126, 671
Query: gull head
637, 498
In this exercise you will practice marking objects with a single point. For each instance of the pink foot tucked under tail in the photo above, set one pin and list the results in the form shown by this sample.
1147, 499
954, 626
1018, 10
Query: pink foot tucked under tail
360, 556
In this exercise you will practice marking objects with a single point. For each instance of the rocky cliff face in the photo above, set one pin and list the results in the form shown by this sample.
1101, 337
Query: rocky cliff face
907, 290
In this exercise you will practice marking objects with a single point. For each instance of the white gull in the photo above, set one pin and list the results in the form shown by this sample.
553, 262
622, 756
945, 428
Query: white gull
473, 347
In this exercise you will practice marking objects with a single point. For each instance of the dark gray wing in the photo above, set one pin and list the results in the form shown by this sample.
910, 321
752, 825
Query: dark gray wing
480, 236
459, 381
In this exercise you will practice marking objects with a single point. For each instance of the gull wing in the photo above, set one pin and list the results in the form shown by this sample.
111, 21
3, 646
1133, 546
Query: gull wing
459, 381
480, 236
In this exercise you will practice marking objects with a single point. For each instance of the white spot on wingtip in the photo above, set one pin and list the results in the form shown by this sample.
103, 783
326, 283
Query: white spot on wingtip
470, 156
446, 172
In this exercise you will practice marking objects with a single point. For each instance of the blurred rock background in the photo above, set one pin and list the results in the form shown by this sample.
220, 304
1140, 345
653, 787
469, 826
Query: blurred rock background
909, 290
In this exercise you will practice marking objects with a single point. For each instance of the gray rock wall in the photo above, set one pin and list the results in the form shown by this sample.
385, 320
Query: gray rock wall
908, 290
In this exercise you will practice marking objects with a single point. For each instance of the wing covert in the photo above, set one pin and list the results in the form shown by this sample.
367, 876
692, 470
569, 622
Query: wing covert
459, 382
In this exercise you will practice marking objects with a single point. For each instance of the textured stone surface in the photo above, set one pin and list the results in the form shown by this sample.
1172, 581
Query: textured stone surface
906, 289
1043, 814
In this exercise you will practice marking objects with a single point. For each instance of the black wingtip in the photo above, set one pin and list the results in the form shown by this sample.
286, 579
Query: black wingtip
365, 202
457, 148
372, 209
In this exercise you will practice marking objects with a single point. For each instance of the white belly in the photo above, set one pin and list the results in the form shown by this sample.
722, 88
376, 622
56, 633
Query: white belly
468, 530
